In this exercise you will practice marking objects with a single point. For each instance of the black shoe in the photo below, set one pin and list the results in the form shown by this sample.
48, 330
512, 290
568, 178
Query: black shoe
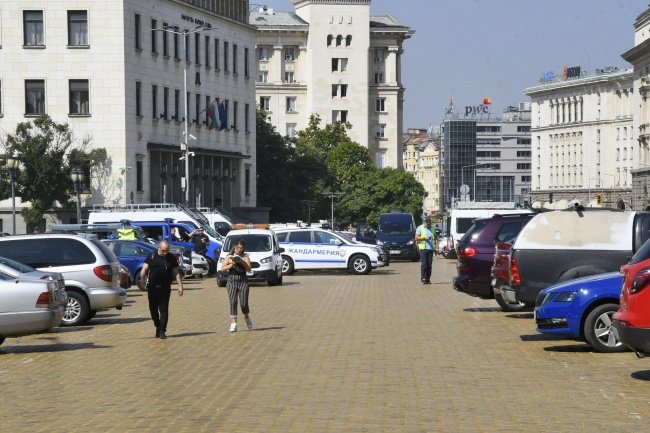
427, 282
157, 333
162, 335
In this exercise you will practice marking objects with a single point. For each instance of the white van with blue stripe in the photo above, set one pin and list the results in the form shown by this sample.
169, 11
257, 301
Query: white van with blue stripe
317, 248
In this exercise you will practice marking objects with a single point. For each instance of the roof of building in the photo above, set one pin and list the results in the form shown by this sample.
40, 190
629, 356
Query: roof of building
287, 19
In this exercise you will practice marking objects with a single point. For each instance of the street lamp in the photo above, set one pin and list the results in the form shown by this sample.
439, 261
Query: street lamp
332, 195
308, 203
13, 164
77, 176
462, 175
186, 136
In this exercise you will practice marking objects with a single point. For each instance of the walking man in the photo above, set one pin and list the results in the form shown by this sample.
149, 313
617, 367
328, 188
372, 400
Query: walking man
424, 237
159, 270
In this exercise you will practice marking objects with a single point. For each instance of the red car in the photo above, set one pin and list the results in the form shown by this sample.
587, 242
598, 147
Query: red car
632, 321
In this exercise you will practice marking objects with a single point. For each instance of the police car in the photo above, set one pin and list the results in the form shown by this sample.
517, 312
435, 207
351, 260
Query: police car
262, 247
317, 248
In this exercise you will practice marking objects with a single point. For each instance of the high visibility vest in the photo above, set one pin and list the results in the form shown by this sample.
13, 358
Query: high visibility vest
422, 244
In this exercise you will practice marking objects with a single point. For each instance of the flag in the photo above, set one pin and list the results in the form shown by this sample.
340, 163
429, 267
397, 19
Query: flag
211, 115
451, 101
487, 101
221, 117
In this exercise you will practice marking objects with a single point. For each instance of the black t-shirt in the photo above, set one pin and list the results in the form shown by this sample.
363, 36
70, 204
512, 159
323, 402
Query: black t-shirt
198, 242
160, 269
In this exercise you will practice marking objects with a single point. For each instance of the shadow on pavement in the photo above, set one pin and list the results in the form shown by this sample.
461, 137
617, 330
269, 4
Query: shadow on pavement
483, 310
521, 316
641, 375
49, 348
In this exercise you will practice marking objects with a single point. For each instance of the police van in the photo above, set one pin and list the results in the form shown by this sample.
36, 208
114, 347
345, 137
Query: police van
263, 249
318, 248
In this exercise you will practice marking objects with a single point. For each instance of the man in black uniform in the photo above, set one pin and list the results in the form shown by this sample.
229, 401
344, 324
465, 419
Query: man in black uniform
201, 241
159, 270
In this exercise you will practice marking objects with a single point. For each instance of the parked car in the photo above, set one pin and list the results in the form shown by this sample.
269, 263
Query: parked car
90, 269
582, 309
500, 276
125, 277
263, 249
315, 248
577, 242
632, 320
475, 251
29, 305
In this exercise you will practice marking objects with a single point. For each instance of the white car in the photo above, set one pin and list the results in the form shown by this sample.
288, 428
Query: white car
316, 248
263, 248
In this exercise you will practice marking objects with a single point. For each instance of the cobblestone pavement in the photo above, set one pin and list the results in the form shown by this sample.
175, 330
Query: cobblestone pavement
329, 352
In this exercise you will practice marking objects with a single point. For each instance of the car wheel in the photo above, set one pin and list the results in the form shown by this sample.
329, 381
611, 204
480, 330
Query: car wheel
76, 311
287, 266
138, 280
598, 329
416, 257
91, 314
221, 283
211, 267
359, 265
507, 306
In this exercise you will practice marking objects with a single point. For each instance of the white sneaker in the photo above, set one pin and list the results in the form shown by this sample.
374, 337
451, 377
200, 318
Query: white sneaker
233, 327
249, 323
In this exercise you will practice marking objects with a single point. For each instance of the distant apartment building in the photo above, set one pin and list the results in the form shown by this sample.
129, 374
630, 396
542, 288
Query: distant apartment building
483, 157
422, 160
583, 141
331, 58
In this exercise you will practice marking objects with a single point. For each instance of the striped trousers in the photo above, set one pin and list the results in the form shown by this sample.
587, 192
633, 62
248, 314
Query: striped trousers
238, 289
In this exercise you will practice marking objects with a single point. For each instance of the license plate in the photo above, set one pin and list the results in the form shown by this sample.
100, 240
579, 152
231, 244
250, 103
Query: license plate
250, 274
395, 251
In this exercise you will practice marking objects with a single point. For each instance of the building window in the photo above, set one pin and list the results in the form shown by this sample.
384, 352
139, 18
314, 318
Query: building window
380, 105
523, 128
207, 51
138, 28
339, 89
524, 154
339, 64
139, 176
247, 113
235, 115
33, 28
348, 40
291, 104
34, 96
339, 116
225, 56
329, 40
197, 108
246, 63
165, 39
226, 106
265, 103
291, 130
263, 53
379, 78
379, 55
187, 47
154, 101
264, 77
234, 59
522, 166
380, 159
524, 141
138, 98
339, 39
177, 54
381, 130
154, 36
289, 54
77, 27
79, 97
216, 53
177, 99
247, 180
197, 48
288, 77
165, 112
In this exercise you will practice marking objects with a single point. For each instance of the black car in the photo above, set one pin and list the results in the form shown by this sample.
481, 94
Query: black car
475, 253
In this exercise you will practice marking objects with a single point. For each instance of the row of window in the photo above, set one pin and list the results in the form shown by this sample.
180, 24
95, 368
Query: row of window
290, 107
264, 53
34, 28
35, 103
213, 50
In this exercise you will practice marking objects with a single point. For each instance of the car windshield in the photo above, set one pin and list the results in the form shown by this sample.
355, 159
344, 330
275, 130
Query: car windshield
395, 229
15, 265
255, 243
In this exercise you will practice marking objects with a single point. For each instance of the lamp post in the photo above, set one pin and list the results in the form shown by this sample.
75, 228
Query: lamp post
332, 195
13, 164
186, 137
308, 203
462, 175
77, 176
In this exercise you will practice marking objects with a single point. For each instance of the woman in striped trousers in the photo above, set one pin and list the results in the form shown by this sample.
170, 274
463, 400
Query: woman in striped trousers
237, 263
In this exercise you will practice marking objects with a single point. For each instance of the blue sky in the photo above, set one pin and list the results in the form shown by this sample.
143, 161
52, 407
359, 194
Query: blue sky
470, 49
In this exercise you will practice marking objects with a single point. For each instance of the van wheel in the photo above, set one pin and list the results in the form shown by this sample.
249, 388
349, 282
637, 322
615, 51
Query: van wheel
76, 311
416, 257
211, 267
287, 266
359, 265
598, 329
507, 306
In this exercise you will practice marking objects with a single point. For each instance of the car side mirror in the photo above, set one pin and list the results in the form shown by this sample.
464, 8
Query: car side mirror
281, 250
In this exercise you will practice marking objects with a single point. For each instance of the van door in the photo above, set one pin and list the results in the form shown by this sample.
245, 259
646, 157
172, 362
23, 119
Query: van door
366, 233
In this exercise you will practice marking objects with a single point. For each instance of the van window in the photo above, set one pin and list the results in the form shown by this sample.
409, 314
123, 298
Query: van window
68, 252
28, 251
395, 228
463, 224
304, 237
282, 237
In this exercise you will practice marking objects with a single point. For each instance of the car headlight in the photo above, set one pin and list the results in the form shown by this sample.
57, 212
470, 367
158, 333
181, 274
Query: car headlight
265, 260
378, 250
378, 242
565, 297
411, 242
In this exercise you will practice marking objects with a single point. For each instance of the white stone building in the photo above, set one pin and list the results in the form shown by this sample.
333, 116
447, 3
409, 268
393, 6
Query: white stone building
107, 68
333, 59
583, 140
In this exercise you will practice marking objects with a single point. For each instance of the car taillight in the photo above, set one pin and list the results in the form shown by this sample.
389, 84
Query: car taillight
640, 281
515, 277
468, 252
104, 272
44, 300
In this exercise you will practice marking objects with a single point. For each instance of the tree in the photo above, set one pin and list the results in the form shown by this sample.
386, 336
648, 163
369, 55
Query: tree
44, 177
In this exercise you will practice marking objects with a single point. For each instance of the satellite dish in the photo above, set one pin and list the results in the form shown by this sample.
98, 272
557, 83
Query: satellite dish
464, 189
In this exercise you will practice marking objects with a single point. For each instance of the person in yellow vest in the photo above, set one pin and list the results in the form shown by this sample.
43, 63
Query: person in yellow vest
424, 238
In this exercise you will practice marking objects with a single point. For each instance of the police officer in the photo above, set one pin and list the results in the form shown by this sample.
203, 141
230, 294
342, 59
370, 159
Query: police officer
201, 241
424, 237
